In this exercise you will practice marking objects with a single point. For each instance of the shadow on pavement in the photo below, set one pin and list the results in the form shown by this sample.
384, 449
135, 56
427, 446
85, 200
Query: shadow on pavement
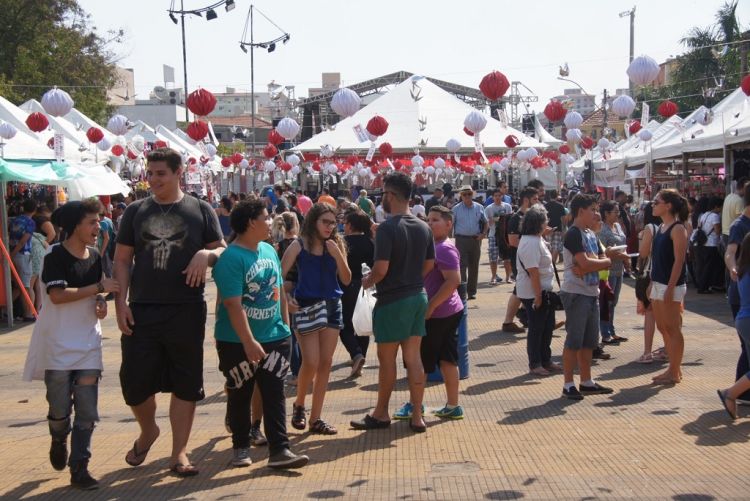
714, 429
494, 338
632, 396
501, 384
554, 407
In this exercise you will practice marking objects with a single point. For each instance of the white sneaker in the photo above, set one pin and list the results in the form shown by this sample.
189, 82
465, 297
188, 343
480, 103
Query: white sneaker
241, 457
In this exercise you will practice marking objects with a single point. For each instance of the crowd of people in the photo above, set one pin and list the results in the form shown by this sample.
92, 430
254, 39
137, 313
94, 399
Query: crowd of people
289, 271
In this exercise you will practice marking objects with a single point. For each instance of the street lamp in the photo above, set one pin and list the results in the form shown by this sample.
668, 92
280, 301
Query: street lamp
269, 45
210, 14
631, 14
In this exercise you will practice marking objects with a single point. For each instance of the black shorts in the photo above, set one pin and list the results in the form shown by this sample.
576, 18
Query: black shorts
441, 341
164, 353
504, 251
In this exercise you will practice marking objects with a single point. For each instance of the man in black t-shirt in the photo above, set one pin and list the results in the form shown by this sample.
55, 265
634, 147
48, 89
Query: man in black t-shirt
164, 246
435, 199
404, 253
555, 215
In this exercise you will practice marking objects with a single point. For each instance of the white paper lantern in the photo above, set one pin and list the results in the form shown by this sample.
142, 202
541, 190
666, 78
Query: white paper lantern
326, 151
57, 102
523, 155
295, 170
345, 102
479, 170
293, 160
331, 168
573, 120
118, 125
417, 160
603, 143
104, 144
504, 164
244, 164
643, 70
439, 163
137, 170
475, 121
363, 172
623, 105
532, 152
269, 166
706, 117
210, 150
138, 142
574, 135
7, 131
418, 169
645, 135
453, 145
568, 158
429, 170
496, 166
288, 128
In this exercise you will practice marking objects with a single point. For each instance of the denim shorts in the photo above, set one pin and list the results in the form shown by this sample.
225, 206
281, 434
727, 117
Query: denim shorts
333, 306
581, 320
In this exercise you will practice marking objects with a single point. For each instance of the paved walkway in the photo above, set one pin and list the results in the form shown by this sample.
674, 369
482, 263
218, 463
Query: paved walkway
519, 440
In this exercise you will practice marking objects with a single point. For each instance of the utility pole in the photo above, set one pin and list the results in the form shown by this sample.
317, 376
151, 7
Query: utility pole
252, 84
184, 59
631, 13
604, 110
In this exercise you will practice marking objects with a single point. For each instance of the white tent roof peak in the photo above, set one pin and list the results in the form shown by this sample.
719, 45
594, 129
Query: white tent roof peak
420, 115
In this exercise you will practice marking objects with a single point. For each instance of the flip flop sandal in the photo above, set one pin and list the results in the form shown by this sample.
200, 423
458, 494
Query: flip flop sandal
134, 457
645, 359
723, 397
184, 470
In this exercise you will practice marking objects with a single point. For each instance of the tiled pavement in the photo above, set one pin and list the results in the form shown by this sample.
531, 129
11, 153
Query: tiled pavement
519, 440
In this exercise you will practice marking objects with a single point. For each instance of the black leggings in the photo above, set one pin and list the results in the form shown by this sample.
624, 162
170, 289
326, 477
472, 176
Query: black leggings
355, 345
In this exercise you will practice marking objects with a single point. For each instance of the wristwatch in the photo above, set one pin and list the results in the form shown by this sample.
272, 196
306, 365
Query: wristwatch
99, 288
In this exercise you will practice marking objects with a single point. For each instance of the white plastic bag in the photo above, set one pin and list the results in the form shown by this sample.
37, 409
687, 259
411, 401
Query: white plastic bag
362, 317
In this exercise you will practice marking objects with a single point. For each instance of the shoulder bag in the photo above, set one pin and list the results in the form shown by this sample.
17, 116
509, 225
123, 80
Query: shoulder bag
549, 298
643, 279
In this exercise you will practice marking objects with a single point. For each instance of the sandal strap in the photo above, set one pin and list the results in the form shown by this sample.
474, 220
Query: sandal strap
322, 426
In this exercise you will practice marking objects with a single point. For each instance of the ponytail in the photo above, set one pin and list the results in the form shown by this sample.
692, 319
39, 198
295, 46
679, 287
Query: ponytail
680, 209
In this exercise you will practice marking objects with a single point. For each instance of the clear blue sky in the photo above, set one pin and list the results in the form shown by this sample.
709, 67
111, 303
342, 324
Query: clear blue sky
454, 41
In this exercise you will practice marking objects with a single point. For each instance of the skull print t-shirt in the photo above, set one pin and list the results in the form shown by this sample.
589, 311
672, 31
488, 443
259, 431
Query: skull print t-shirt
256, 277
164, 239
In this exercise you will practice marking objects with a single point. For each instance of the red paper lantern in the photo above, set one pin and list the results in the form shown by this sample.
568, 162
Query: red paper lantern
494, 85
398, 165
51, 143
237, 158
286, 166
564, 149
587, 143
201, 102
511, 141
555, 111
160, 144
193, 161
374, 169
634, 127
131, 155
377, 126
476, 156
197, 130
468, 132
270, 151
37, 122
94, 134
226, 162
386, 149
316, 166
275, 138
117, 150
745, 85
352, 159
667, 108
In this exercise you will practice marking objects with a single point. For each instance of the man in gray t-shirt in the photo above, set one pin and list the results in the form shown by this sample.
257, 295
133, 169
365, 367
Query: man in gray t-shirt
404, 253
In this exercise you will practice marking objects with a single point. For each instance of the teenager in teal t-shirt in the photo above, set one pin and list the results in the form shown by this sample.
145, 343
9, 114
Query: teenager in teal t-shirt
252, 334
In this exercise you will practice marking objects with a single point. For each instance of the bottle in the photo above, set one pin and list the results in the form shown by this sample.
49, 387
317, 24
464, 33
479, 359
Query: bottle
365, 269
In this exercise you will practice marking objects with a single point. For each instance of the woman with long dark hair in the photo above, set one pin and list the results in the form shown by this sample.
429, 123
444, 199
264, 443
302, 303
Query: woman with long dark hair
742, 324
612, 235
667, 289
320, 255
646, 237
223, 211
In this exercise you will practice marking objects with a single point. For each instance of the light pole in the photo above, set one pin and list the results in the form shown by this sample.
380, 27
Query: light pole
269, 45
631, 13
210, 14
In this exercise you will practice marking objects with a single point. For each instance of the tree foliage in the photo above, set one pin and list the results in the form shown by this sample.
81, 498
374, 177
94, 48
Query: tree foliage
44, 43
712, 62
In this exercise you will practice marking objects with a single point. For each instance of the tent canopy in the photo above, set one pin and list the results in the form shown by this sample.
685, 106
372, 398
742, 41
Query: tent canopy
420, 115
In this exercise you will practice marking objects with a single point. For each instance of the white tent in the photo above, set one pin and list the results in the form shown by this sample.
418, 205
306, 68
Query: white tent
75, 137
663, 133
544, 136
420, 115
94, 180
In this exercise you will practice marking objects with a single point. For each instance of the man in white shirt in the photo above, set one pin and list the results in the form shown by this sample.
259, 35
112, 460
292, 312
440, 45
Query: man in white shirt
495, 212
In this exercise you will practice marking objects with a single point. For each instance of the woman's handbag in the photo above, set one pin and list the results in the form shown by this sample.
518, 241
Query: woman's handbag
643, 279
549, 298
311, 318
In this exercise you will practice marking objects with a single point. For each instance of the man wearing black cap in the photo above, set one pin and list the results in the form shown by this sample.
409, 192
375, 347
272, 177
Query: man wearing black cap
168, 240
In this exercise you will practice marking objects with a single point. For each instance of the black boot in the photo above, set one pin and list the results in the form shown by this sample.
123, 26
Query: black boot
80, 477
58, 454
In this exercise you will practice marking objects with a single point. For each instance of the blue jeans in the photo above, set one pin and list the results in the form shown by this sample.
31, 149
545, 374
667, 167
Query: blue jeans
539, 338
63, 394
608, 328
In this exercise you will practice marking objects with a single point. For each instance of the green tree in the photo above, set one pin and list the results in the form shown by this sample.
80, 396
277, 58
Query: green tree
51, 42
